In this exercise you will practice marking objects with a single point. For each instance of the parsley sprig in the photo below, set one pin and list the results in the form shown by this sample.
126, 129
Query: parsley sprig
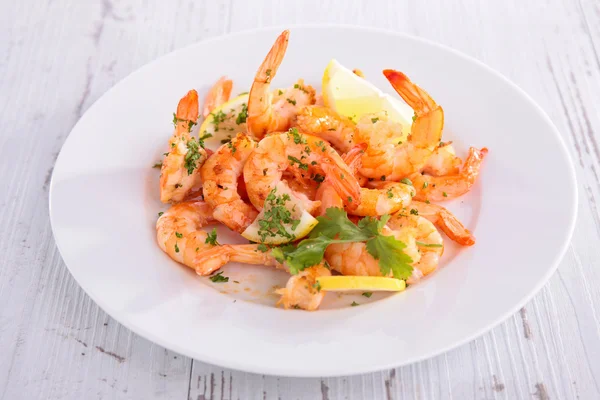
335, 227
275, 216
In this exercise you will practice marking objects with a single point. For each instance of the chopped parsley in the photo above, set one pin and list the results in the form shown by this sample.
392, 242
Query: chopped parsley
429, 244
298, 138
193, 154
414, 211
406, 181
383, 177
179, 235
390, 193
317, 286
444, 194
218, 119
178, 185
262, 248
275, 216
232, 147
218, 278
373, 120
280, 92
335, 227
425, 184
291, 101
318, 178
367, 294
157, 165
354, 304
243, 115
301, 165
414, 117
211, 238
160, 213
176, 248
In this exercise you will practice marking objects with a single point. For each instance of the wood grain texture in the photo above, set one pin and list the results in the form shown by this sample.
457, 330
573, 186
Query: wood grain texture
58, 57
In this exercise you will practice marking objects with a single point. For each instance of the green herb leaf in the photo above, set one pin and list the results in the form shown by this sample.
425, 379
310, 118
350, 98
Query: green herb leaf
367, 294
211, 238
406, 181
429, 244
157, 165
389, 252
354, 304
243, 115
219, 278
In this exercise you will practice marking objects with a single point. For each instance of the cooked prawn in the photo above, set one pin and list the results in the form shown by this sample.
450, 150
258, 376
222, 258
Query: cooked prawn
388, 158
301, 290
179, 233
180, 171
308, 156
327, 124
268, 112
443, 161
438, 188
220, 175
446, 221
217, 95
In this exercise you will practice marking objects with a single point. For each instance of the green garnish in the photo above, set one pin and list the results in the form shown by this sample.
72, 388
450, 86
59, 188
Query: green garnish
193, 154
231, 147
176, 248
275, 215
406, 181
298, 138
354, 304
243, 115
367, 294
425, 184
179, 235
317, 286
211, 238
218, 118
429, 244
157, 165
219, 278
318, 178
414, 117
373, 120
263, 248
160, 213
390, 194
445, 194
291, 101
301, 165
414, 211
335, 227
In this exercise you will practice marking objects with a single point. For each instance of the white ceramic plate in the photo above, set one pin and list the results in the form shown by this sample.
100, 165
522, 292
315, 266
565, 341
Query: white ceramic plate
104, 204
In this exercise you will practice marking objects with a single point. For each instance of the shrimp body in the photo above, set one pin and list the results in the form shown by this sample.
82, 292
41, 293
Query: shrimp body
443, 161
217, 95
439, 188
307, 156
180, 171
446, 221
388, 158
179, 233
327, 124
274, 112
301, 290
220, 176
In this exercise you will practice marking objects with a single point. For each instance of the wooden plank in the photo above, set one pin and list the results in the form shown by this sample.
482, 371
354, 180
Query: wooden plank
56, 343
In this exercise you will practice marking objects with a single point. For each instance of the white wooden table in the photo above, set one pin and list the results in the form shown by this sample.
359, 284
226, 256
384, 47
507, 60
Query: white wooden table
57, 58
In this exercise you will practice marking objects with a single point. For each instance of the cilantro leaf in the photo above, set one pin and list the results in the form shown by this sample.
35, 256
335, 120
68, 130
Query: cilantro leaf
309, 252
389, 252
336, 222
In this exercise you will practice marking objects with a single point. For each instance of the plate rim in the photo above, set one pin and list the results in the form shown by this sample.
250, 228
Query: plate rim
234, 364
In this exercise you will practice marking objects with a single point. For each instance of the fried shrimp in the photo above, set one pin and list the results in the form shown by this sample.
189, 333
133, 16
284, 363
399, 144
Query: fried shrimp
220, 176
180, 171
274, 112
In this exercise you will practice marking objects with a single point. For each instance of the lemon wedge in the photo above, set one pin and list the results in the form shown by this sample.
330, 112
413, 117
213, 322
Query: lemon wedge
364, 283
303, 223
226, 120
353, 96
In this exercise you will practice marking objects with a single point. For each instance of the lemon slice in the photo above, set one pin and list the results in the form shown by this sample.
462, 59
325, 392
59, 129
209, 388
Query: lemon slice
365, 283
352, 96
226, 121
304, 221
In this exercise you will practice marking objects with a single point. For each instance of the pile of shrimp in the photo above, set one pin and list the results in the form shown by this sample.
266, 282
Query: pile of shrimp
361, 166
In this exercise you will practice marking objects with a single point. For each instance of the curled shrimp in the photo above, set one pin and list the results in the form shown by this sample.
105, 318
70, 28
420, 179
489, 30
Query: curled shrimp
309, 157
387, 198
327, 124
439, 188
443, 161
446, 221
220, 176
268, 112
217, 95
388, 158
301, 290
179, 233
180, 171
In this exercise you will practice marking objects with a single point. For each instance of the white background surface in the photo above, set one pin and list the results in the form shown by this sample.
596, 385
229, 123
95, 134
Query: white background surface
58, 57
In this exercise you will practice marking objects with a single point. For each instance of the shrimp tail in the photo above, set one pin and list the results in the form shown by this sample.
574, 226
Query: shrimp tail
473, 163
217, 95
187, 109
346, 186
418, 99
210, 260
260, 112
